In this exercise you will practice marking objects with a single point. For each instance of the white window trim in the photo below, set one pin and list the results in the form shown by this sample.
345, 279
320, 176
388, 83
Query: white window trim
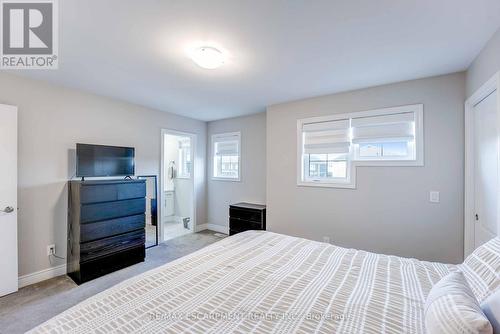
214, 139
392, 159
418, 109
349, 182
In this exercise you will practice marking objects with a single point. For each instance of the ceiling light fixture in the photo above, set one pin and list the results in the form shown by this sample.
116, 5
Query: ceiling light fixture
208, 57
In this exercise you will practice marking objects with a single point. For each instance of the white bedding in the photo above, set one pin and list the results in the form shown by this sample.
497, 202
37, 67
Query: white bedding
263, 282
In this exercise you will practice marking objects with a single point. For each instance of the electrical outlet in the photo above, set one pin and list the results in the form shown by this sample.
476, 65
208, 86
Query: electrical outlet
326, 240
434, 196
51, 250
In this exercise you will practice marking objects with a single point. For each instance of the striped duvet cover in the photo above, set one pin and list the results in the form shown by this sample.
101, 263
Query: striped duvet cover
263, 282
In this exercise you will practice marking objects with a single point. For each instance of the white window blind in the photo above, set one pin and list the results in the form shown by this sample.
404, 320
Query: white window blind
327, 137
384, 128
331, 147
228, 147
226, 156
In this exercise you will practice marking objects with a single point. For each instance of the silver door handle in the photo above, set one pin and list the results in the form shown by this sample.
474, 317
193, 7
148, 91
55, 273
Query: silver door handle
8, 209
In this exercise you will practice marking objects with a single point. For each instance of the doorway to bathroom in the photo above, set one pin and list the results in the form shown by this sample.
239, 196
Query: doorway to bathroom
177, 184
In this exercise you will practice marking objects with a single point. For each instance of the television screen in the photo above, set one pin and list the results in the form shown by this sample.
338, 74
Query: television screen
100, 160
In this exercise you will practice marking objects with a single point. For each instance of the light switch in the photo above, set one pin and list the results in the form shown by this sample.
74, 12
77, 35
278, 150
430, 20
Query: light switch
434, 196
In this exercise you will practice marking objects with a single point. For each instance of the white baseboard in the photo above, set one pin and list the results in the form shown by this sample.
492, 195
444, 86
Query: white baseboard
213, 227
218, 228
201, 227
49, 273
41, 275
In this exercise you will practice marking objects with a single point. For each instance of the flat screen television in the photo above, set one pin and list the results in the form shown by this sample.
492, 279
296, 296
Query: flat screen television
100, 160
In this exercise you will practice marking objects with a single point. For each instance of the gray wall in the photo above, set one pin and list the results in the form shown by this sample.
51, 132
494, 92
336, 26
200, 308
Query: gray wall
486, 64
252, 187
51, 120
389, 212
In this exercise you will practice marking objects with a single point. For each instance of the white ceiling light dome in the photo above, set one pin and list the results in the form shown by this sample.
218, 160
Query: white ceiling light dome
208, 57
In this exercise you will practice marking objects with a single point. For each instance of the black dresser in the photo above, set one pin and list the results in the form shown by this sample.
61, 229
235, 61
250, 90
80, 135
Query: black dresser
246, 216
105, 227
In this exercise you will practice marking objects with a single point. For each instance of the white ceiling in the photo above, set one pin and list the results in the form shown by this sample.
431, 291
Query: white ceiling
280, 50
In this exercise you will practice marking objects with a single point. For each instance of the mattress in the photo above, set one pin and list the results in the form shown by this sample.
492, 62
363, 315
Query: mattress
263, 282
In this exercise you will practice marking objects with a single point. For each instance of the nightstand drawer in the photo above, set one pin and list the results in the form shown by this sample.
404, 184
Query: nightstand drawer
250, 215
239, 224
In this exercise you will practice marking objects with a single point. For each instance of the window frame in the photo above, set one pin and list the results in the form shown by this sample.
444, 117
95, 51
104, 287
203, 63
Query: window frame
217, 138
394, 159
350, 180
333, 180
353, 160
418, 110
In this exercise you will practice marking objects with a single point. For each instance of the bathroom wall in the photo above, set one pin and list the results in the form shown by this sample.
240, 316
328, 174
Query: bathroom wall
170, 155
182, 187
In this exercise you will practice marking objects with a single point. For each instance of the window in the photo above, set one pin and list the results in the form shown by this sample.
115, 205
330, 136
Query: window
325, 166
326, 148
226, 156
384, 137
185, 164
330, 148
383, 150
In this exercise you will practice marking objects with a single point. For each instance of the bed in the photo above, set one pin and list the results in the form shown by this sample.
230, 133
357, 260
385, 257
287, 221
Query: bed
263, 282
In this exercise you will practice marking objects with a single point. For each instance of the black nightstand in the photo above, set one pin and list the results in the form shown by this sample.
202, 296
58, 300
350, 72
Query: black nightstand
246, 216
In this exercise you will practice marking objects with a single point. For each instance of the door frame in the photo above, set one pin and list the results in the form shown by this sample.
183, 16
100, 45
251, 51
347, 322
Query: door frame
194, 138
492, 85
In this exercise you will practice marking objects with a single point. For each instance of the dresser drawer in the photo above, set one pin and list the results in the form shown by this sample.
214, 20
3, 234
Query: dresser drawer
252, 215
107, 228
243, 225
105, 211
111, 192
107, 264
102, 247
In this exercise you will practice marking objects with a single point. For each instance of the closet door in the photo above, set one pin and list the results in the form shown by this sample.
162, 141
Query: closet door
486, 169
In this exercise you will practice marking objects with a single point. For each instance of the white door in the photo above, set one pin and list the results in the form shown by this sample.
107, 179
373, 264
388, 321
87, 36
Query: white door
486, 169
8, 199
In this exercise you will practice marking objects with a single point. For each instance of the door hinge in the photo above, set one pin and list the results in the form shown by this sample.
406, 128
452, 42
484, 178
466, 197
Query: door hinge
477, 217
